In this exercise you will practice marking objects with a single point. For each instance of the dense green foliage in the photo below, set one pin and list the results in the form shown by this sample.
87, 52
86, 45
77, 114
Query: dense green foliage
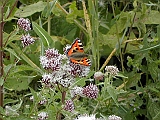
127, 31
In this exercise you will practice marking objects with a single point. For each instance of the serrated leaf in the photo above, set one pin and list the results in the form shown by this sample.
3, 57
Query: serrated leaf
46, 39
30, 9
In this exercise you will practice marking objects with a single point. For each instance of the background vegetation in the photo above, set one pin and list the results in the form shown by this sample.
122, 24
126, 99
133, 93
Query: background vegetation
124, 33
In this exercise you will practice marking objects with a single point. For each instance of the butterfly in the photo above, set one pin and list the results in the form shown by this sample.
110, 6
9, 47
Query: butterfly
76, 53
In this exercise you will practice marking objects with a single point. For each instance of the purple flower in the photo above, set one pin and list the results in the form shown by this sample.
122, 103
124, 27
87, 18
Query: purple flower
27, 40
91, 91
51, 53
69, 106
24, 24
79, 70
51, 60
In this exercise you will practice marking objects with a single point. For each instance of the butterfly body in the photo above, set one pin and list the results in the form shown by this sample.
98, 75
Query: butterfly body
76, 53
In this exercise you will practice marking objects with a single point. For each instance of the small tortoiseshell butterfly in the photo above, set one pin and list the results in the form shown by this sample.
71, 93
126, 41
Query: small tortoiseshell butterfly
76, 53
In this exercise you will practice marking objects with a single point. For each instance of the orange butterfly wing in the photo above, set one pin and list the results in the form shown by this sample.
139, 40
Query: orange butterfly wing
77, 50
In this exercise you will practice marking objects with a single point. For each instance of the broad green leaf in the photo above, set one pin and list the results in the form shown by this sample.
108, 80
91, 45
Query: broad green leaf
112, 92
18, 82
25, 58
21, 68
30, 9
46, 39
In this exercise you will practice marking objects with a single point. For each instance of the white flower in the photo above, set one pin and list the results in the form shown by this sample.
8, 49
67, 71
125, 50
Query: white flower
86, 117
113, 70
42, 116
114, 117
76, 91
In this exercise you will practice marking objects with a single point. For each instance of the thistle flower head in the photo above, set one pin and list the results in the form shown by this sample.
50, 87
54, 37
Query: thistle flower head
69, 106
113, 70
24, 24
91, 91
27, 40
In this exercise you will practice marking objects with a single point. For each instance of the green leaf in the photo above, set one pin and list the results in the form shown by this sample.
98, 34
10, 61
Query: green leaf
158, 32
154, 70
74, 13
1, 81
30, 9
25, 58
13, 110
21, 68
12, 52
8, 101
144, 50
18, 82
154, 110
46, 39
112, 92
1, 110
48, 9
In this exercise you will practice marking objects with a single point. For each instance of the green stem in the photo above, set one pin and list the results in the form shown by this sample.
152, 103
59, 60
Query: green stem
117, 33
1, 53
49, 20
